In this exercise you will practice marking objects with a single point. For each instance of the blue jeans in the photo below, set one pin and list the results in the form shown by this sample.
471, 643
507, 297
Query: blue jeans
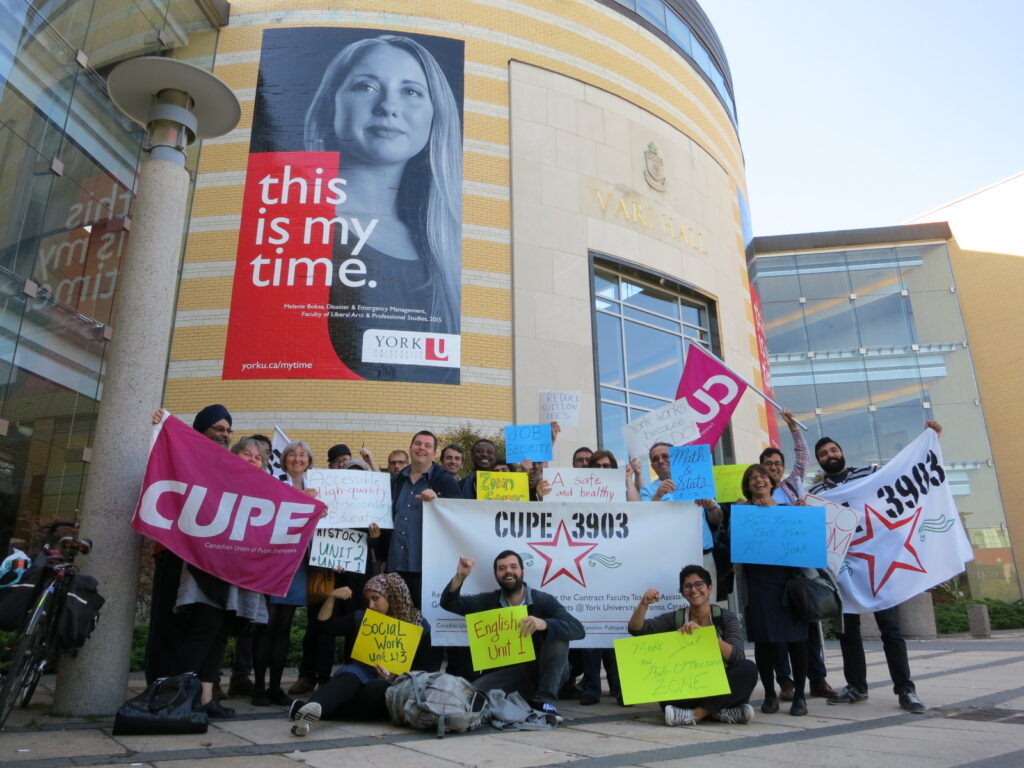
537, 680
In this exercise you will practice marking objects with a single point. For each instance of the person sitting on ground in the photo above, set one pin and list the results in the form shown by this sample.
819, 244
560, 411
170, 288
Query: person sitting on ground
548, 622
733, 707
356, 691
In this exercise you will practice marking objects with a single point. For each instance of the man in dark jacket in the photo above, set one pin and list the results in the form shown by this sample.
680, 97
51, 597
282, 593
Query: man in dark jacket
422, 480
549, 624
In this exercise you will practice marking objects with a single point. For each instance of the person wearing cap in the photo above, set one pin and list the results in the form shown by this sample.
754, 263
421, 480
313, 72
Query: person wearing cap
337, 455
832, 460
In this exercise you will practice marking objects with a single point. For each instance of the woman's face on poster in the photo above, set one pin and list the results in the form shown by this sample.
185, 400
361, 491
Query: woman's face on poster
383, 110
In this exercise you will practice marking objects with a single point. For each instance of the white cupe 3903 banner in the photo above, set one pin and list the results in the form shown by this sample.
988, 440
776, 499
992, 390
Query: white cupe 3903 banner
909, 537
595, 558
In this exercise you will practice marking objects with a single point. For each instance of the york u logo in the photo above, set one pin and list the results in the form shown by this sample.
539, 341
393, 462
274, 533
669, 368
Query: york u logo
436, 349
727, 390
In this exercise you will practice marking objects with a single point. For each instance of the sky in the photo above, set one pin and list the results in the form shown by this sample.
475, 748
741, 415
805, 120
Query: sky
867, 113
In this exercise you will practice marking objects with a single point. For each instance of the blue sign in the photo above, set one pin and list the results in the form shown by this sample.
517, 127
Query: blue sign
691, 472
778, 535
528, 441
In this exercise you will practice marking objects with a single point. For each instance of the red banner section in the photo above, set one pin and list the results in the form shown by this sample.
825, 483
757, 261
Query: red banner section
278, 325
223, 515
766, 372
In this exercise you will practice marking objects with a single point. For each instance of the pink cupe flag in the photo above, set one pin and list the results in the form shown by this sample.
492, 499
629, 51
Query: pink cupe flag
711, 390
221, 514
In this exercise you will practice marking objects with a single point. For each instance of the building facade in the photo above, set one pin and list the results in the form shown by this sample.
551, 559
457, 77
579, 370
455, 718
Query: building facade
867, 341
68, 176
597, 193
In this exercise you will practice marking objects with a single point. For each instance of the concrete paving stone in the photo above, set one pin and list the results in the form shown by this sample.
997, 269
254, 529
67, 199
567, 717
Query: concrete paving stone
32, 745
897, 742
383, 756
656, 734
253, 761
821, 755
214, 737
725, 760
574, 741
489, 751
969, 730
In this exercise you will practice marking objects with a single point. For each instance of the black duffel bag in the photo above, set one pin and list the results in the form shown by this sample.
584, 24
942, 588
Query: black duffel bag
812, 594
169, 705
18, 593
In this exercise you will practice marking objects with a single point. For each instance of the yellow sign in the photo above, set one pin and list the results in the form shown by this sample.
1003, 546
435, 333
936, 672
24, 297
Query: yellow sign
494, 639
728, 479
387, 642
670, 666
502, 486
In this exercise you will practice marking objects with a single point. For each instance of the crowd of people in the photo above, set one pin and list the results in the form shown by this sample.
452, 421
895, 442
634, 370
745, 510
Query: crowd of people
193, 613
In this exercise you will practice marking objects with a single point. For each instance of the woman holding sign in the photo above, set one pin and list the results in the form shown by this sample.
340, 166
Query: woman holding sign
270, 646
356, 691
695, 584
771, 626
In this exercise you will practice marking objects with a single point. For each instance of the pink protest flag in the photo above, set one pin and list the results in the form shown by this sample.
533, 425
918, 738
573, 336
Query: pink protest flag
711, 390
221, 514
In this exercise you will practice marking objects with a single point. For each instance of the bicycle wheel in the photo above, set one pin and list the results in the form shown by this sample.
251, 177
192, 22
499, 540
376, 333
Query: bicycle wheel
30, 656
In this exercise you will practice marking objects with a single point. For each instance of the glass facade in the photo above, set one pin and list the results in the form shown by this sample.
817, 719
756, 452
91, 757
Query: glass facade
641, 323
68, 175
866, 345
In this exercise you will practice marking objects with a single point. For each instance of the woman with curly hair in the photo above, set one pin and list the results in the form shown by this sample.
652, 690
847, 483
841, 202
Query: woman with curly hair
357, 690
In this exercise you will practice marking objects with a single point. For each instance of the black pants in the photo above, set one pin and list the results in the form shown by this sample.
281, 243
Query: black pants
895, 647
270, 647
767, 656
816, 670
165, 626
742, 677
346, 697
203, 641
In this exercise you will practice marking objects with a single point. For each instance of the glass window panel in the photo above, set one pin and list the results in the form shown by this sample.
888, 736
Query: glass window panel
647, 317
854, 432
776, 278
679, 32
884, 320
936, 317
607, 393
648, 402
874, 271
24, 128
650, 299
830, 324
606, 286
897, 427
653, 11
799, 398
784, 327
631, 4
695, 315
925, 267
609, 350
701, 56
892, 393
841, 384
120, 30
189, 33
613, 419
654, 360
71, 20
823, 276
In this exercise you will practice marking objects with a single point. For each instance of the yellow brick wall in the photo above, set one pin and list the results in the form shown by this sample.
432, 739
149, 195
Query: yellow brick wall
578, 38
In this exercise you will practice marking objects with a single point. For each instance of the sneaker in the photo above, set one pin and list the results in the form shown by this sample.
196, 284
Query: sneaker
303, 716
848, 695
302, 686
910, 702
744, 713
679, 716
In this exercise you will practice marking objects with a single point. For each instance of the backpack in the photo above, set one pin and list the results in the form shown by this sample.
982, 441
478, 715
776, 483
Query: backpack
19, 590
436, 701
81, 612
716, 618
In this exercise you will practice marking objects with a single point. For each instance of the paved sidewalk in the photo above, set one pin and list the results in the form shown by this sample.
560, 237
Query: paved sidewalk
974, 690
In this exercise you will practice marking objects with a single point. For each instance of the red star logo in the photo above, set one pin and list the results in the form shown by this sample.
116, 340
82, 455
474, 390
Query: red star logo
561, 559
911, 523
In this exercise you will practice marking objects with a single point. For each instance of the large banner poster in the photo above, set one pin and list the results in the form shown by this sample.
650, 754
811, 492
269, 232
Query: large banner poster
909, 535
596, 558
349, 251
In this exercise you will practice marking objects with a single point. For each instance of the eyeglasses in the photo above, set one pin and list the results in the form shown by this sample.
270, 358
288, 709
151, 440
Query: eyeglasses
658, 458
692, 586
604, 465
773, 464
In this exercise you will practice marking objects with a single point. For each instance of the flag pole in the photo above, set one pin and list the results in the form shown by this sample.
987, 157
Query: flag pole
744, 379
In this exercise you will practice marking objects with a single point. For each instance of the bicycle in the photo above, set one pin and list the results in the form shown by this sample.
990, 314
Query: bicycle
37, 643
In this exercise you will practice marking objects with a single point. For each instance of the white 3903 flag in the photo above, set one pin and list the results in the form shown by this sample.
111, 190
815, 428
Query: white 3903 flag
909, 535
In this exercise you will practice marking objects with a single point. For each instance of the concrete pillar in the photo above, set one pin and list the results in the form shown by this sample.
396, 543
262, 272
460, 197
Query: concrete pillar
96, 682
917, 620
978, 621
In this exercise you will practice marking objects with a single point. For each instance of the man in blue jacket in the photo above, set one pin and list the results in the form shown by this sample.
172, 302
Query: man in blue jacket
549, 624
